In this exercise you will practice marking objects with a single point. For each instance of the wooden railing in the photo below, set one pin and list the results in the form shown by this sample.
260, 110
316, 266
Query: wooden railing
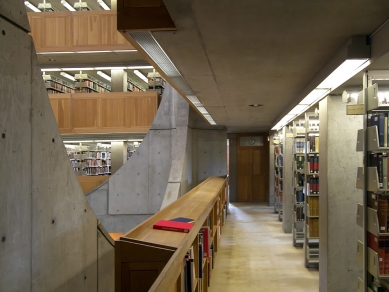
147, 259
76, 31
115, 112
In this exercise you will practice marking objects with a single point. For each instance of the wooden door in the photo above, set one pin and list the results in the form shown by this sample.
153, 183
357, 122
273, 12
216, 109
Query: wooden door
253, 166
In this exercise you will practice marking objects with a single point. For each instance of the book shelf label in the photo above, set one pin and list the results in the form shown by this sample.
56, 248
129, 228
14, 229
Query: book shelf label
355, 109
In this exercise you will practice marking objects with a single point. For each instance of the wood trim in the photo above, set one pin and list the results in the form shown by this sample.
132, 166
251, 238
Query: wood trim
133, 15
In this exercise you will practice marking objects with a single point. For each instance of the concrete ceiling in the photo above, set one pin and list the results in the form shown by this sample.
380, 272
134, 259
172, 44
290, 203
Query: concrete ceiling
236, 53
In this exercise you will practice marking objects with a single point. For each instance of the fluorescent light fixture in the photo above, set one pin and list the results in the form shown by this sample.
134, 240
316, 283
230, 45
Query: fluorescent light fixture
202, 110
83, 141
70, 146
68, 76
51, 69
105, 76
141, 76
32, 7
314, 96
193, 99
110, 68
102, 4
78, 69
286, 119
299, 109
140, 67
343, 73
67, 5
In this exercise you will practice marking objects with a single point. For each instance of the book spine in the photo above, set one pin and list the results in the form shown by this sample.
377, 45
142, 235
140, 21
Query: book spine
381, 129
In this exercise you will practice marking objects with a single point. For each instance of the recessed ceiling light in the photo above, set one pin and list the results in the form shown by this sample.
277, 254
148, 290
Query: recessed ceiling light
255, 105
52, 60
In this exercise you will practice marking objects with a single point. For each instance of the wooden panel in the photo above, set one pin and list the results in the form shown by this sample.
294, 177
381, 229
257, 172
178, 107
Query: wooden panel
75, 31
89, 183
56, 31
113, 112
85, 112
109, 33
244, 175
61, 105
253, 176
86, 30
141, 110
36, 25
260, 179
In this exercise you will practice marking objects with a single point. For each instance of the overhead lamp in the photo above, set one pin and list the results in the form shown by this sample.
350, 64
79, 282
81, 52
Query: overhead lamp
141, 76
105, 76
152, 48
67, 5
78, 69
299, 109
51, 69
81, 6
202, 110
110, 68
140, 67
68, 76
102, 4
193, 99
343, 73
351, 59
315, 95
83, 141
32, 7
46, 7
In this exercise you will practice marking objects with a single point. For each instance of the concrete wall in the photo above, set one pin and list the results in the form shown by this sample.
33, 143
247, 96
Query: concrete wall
338, 196
179, 151
287, 211
49, 233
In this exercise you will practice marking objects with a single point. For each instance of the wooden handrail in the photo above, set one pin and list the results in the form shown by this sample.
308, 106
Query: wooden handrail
197, 204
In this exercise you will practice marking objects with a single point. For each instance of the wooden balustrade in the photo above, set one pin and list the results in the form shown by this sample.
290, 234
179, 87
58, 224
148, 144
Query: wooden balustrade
147, 259
76, 31
115, 112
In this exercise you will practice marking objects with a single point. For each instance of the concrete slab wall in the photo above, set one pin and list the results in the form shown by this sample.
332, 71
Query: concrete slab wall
287, 205
338, 196
179, 151
48, 230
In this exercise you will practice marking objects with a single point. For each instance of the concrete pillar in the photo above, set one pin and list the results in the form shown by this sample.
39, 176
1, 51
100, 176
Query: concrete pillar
118, 155
118, 80
338, 232
287, 211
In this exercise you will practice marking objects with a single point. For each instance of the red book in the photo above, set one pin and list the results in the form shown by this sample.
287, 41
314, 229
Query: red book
207, 241
173, 226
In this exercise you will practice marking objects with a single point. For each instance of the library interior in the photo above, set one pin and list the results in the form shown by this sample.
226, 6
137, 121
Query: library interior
194, 146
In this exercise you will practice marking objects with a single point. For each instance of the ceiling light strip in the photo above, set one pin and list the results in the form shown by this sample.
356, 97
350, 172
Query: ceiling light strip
67, 5
32, 7
150, 45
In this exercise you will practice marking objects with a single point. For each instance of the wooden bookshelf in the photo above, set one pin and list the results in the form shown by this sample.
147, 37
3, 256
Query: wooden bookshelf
279, 179
55, 85
147, 259
86, 84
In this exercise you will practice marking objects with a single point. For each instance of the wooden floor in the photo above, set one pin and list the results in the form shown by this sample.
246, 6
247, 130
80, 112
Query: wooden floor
256, 255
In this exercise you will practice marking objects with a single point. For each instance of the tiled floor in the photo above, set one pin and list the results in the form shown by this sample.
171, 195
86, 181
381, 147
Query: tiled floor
256, 255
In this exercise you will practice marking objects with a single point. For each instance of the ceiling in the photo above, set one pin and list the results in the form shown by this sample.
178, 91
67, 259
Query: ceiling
236, 53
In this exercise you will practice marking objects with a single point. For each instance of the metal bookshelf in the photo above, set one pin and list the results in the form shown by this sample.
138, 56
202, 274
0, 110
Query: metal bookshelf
298, 151
311, 190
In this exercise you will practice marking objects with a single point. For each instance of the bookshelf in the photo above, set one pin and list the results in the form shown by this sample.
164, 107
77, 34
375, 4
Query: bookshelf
298, 152
279, 177
155, 260
156, 82
132, 86
56, 85
89, 160
311, 190
372, 178
86, 83
276, 142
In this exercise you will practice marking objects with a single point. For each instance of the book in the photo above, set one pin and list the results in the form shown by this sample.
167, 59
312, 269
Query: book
173, 226
382, 208
182, 219
206, 241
